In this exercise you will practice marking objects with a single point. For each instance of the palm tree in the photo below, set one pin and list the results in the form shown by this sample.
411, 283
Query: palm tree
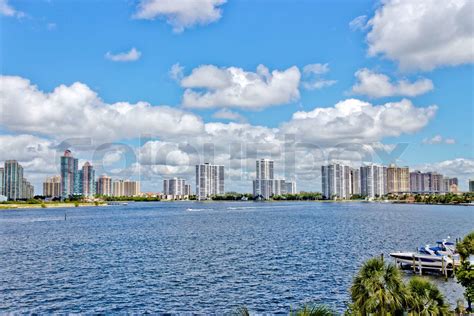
465, 273
241, 311
378, 289
425, 298
313, 310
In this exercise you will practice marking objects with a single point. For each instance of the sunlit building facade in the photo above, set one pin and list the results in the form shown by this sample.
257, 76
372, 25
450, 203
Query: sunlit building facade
52, 187
209, 180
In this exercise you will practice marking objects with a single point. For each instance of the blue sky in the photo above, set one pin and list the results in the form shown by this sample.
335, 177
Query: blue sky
54, 42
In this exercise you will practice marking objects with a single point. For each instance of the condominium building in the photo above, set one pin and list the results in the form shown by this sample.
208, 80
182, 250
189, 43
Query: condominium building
290, 187
279, 187
398, 179
70, 177
336, 181
435, 182
355, 181
471, 185
125, 188
118, 188
27, 189
2, 181
87, 180
13, 180
209, 180
418, 182
448, 184
373, 181
104, 185
264, 184
174, 186
187, 189
52, 187
264, 169
131, 188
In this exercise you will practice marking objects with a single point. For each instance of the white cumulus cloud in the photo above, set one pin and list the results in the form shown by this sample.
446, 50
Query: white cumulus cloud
350, 130
423, 34
378, 85
77, 111
131, 55
180, 14
209, 86
353, 120
226, 114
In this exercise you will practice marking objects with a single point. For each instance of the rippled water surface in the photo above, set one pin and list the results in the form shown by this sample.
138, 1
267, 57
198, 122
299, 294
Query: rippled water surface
205, 257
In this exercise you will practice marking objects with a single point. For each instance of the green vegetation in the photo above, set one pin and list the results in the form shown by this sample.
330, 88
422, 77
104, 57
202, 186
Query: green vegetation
448, 198
305, 310
425, 298
302, 196
465, 273
232, 196
129, 198
313, 310
241, 311
357, 197
378, 289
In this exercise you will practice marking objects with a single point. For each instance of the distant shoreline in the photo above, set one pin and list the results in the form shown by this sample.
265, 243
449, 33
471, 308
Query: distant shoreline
89, 204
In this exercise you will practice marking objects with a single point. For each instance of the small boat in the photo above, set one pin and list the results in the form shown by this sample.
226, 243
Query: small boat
117, 203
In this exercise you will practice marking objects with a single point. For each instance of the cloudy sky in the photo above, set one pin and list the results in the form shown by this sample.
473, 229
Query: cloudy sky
145, 89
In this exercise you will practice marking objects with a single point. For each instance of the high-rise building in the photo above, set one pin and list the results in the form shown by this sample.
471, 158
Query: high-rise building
52, 187
70, 176
209, 180
13, 180
290, 187
174, 186
430, 182
87, 179
131, 188
447, 184
27, 189
264, 169
398, 179
187, 190
355, 181
104, 185
336, 181
417, 182
279, 187
471, 185
263, 185
2, 181
435, 182
373, 181
118, 188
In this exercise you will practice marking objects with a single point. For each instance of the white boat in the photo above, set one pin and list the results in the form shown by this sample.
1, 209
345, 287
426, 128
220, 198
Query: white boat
442, 258
423, 261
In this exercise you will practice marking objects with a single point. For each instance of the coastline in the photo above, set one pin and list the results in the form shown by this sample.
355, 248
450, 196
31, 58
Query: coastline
51, 205
20, 206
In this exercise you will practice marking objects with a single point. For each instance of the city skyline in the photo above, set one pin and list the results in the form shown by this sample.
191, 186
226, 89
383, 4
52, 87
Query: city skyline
338, 181
338, 84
